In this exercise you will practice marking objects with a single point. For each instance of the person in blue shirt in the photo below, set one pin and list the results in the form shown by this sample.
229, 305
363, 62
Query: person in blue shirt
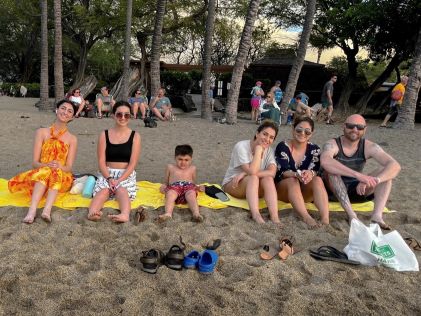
277, 92
161, 106
139, 102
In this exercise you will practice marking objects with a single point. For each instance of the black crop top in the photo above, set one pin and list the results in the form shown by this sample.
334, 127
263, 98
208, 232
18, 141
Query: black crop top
118, 152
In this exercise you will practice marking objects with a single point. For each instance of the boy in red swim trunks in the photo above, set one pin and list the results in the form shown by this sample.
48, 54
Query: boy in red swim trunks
179, 186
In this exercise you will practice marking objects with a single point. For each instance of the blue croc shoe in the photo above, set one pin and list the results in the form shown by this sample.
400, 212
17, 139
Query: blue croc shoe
207, 262
191, 260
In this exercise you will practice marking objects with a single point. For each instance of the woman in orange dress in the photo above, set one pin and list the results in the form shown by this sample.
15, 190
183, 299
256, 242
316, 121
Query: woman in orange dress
53, 156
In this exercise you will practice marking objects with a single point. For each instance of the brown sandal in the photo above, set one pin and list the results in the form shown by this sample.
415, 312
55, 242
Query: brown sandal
287, 249
140, 215
413, 243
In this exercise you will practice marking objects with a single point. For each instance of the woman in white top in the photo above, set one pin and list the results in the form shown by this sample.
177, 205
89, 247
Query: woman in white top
252, 170
77, 98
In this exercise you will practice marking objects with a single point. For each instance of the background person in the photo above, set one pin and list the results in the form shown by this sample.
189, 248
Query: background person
396, 99
104, 101
297, 180
256, 99
53, 156
118, 154
277, 92
161, 106
139, 102
270, 109
251, 171
77, 98
327, 98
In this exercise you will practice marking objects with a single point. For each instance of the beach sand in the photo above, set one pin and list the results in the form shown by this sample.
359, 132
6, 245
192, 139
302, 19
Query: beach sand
77, 267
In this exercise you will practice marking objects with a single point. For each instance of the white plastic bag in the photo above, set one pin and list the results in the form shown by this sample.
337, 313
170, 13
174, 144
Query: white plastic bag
369, 246
77, 186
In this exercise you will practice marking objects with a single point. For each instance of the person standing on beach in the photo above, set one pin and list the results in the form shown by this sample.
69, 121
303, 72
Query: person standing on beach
396, 99
53, 156
179, 186
256, 98
277, 92
251, 171
118, 153
327, 95
343, 159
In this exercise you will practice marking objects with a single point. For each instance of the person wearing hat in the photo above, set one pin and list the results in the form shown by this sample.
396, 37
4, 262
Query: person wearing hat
104, 101
256, 93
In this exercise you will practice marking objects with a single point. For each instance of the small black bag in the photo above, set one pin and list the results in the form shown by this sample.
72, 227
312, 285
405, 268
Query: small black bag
150, 122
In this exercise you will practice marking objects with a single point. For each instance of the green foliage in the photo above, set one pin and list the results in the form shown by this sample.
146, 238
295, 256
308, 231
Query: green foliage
105, 61
176, 82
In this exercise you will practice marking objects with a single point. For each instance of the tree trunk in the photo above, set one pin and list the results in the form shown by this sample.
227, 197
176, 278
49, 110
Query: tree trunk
406, 114
207, 62
156, 47
240, 60
363, 101
44, 104
135, 81
58, 53
88, 85
83, 58
127, 43
343, 104
141, 40
294, 74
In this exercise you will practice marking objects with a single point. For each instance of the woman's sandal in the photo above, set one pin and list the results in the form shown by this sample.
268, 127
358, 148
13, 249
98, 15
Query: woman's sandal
140, 215
266, 254
175, 256
151, 260
287, 249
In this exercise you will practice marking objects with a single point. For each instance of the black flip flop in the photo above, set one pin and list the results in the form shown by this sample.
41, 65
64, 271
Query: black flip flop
329, 253
215, 245
216, 193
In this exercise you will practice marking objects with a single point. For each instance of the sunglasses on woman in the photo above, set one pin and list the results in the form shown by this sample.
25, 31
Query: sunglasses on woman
300, 130
359, 127
121, 115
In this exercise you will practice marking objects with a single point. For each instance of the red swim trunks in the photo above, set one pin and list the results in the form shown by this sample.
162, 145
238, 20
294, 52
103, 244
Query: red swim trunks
181, 187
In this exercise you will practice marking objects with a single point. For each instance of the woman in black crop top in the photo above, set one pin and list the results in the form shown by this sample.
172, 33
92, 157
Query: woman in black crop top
118, 153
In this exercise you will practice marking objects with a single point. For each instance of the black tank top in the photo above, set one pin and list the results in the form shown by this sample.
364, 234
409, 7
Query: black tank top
355, 162
118, 152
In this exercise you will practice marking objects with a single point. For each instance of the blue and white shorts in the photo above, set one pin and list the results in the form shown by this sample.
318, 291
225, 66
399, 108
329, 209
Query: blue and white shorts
129, 184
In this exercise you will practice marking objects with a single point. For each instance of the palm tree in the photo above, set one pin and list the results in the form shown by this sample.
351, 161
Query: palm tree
127, 42
406, 114
240, 60
58, 53
44, 104
210, 24
156, 46
294, 74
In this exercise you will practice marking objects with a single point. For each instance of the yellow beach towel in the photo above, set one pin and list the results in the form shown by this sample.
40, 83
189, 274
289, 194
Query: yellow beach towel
148, 195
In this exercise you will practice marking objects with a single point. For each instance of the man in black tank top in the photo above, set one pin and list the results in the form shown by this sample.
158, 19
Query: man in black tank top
343, 160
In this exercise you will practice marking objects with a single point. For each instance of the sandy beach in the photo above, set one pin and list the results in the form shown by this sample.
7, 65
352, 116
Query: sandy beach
77, 267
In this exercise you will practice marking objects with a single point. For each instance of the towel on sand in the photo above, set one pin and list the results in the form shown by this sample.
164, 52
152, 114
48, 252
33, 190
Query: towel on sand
148, 195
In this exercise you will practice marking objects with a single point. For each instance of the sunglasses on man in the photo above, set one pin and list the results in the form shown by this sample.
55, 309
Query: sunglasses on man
359, 127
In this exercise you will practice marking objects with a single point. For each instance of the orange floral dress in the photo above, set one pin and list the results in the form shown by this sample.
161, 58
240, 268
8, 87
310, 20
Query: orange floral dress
54, 179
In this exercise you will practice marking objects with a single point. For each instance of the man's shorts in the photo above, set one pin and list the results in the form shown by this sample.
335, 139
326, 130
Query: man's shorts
393, 110
354, 197
325, 104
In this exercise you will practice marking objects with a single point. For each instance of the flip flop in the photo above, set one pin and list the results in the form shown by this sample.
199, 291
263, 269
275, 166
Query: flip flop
329, 253
216, 193
215, 245
382, 225
413, 243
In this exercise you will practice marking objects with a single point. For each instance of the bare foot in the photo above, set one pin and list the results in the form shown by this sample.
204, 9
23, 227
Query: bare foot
46, 217
197, 218
95, 215
164, 217
29, 218
311, 222
325, 222
258, 218
120, 218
